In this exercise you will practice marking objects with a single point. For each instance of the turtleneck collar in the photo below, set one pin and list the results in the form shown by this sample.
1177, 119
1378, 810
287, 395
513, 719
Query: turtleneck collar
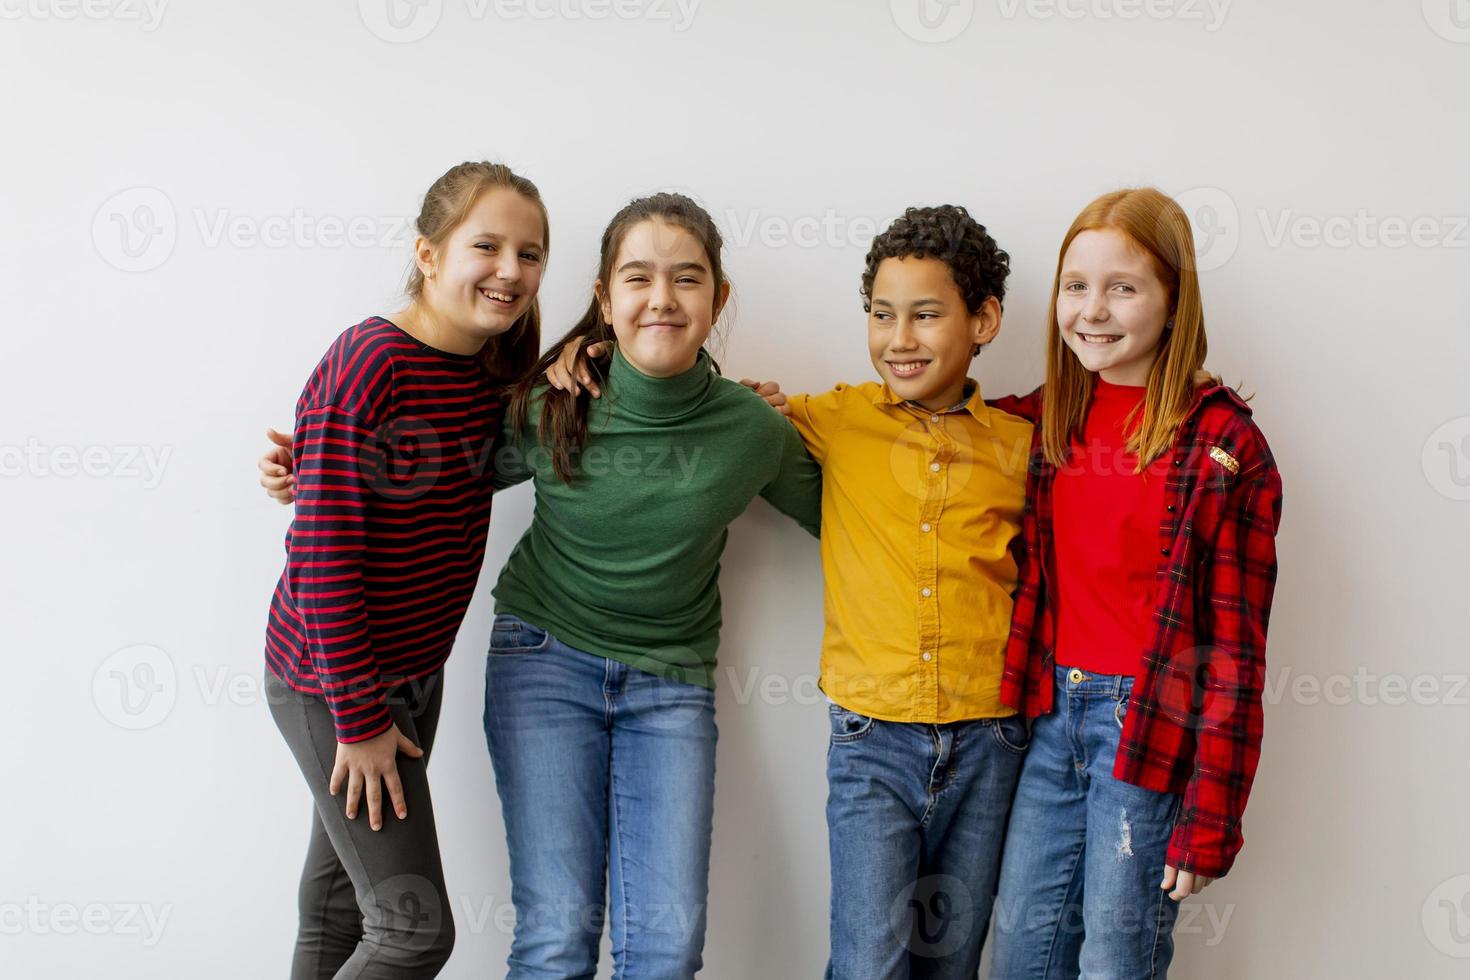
659, 398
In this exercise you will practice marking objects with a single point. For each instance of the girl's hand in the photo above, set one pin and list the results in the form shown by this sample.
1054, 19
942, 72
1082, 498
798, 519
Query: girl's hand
570, 373
1182, 884
275, 468
771, 392
366, 765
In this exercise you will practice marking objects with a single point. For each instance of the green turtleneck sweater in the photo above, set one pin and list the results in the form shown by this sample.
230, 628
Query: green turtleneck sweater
624, 562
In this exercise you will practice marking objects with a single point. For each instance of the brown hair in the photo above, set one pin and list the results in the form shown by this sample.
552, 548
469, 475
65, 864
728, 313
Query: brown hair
1158, 226
562, 428
508, 356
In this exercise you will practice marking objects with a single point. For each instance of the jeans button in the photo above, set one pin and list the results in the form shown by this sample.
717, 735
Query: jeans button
1075, 676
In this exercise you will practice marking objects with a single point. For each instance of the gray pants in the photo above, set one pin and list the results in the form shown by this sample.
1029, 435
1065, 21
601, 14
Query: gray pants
372, 903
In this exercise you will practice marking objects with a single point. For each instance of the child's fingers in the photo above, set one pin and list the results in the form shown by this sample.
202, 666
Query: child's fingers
279, 438
354, 793
600, 349
395, 793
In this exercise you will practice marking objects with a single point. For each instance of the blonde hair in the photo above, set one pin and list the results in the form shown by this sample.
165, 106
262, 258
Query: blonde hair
1158, 226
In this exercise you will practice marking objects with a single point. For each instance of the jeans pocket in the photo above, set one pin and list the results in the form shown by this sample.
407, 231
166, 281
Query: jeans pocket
512, 635
1012, 733
847, 726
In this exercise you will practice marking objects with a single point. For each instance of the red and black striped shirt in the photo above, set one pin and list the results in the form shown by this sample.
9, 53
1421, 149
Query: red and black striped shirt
393, 461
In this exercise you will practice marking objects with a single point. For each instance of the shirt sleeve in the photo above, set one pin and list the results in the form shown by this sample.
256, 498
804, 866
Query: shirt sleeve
1027, 407
796, 490
1241, 579
335, 460
817, 418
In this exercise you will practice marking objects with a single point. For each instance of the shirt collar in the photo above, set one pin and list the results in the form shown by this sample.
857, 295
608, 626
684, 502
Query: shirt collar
660, 398
972, 402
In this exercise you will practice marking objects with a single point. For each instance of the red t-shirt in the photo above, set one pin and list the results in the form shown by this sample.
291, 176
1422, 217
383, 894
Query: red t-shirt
1106, 540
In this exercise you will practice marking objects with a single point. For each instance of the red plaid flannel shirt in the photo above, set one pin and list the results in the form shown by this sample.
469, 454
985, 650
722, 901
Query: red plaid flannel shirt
1194, 720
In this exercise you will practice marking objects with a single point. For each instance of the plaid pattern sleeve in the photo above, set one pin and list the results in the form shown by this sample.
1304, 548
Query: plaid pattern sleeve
1220, 699
1195, 719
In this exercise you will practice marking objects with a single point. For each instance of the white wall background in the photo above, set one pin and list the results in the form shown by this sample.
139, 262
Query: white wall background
174, 191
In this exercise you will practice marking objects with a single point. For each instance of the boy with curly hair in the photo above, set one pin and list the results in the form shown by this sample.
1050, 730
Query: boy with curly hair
922, 494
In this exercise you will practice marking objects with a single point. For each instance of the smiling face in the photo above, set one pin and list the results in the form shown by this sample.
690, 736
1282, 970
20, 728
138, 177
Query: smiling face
661, 297
1112, 306
486, 274
921, 337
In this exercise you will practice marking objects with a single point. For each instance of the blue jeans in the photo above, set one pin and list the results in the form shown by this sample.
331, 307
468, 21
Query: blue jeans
916, 819
1079, 886
603, 771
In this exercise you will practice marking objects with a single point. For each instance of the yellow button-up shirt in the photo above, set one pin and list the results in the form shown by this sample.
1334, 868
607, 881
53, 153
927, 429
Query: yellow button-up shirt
919, 511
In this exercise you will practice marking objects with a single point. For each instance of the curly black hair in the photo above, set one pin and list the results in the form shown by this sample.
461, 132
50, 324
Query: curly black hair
946, 232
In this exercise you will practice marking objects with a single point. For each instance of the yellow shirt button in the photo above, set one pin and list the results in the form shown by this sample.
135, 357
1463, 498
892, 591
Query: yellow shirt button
924, 528
934, 467
927, 656
925, 592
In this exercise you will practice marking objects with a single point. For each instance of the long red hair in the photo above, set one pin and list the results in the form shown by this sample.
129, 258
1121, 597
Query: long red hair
1158, 226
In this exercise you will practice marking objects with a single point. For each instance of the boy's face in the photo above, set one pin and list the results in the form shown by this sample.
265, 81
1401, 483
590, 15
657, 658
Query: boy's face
920, 335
